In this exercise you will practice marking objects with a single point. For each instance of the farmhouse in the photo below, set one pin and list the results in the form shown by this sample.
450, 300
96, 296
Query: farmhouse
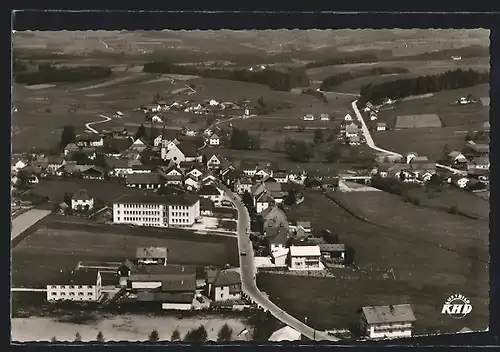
140, 277
191, 183
243, 185
208, 178
381, 126
121, 167
76, 285
480, 163
148, 181
308, 117
277, 237
348, 118
324, 117
354, 140
172, 175
455, 157
217, 162
214, 140
211, 192
81, 200
387, 321
263, 201
226, 286
279, 255
156, 210
304, 258
351, 130
139, 145
476, 149
89, 140
151, 255
334, 252
195, 171
281, 176
274, 217
249, 169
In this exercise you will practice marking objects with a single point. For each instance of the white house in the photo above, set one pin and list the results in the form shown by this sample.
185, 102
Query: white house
324, 117
392, 321
191, 183
20, 164
280, 256
139, 145
76, 285
456, 157
308, 117
243, 185
305, 258
281, 176
213, 102
263, 202
156, 119
195, 172
373, 116
381, 126
214, 140
348, 117
211, 192
81, 200
156, 210
157, 141
226, 286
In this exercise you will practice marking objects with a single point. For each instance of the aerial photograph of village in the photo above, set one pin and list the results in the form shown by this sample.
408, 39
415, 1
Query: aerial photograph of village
220, 185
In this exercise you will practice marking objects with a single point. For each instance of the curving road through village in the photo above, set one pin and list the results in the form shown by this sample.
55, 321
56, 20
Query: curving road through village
87, 125
248, 276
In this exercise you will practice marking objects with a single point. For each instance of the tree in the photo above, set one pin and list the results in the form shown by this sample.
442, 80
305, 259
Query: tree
196, 335
247, 199
291, 199
154, 336
78, 337
298, 150
334, 153
68, 135
261, 102
141, 132
100, 337
225, 334
176, 335
318, 136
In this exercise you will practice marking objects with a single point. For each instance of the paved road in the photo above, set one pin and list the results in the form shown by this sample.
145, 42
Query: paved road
87, 125
248, 272
366, 132
24, 221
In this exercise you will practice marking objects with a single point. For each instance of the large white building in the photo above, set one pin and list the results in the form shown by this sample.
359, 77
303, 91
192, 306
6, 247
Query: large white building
305, 258
156, 210
387, 321
78, 285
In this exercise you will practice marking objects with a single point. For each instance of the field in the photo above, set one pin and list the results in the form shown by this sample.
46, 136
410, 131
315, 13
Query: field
426, 272
418, 121
416, 68
62, 242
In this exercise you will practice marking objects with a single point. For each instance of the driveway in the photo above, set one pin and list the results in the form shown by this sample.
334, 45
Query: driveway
248, 272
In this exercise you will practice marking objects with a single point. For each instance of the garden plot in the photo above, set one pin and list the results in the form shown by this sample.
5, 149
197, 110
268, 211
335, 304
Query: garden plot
418, 121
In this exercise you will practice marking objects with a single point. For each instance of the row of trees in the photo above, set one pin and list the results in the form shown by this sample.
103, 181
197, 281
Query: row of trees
277, 80
242, 140
343, 59
332, 81
401, 88
198, 334
50, 74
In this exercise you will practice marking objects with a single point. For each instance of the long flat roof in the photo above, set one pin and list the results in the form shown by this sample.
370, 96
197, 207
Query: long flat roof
171, 199
388, 314
304, 251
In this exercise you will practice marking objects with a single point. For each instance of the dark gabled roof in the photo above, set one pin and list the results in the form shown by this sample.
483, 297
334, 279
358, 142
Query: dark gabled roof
81, 195
91, 137
227, 278
158, 272
209, 190
165, 297
188, 149
92, 170
328, 247
206, 204
143, 178
179, 283
277, 235
76, 277
388, 314
173, 199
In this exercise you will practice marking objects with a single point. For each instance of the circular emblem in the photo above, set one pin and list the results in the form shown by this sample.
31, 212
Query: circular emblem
457, 306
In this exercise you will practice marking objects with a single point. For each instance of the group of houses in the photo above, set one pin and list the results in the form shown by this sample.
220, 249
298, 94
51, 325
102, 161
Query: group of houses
350, 131
148, 279
474, 160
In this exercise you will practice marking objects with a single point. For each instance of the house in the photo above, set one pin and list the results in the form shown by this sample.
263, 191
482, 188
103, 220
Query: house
156, 210
226, 286
81, 200
33, 179
206, 206
373, 116
89, 140
70, 149
281, 176
279, 255
121, 167
93, 173
304, 226
297, 178
263, 202
480, 163
208, 179
211, 192
285, 334
335, 252
455, 157
477, 149
308, 117
354, 140
480, 174
213, 102
277, 237
243, 185
139, 145
191, 183
20, 164
263, 173
157, 142
324, 117
249, 169
75, 285
214, 140
304, 258
348, 118
156, 118
151, 180
184, 151
207, 132
151, 255
351, 130
217, 162
138, 168
195, 172
387, 321
381, 126
172, 175
274, 217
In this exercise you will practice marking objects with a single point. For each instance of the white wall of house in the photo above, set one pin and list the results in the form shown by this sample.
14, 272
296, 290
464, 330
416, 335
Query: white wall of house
305, 263
261, 206
388, 330
214, 198
75, 292
222, 294
140, 214
183, 215
176, 306
75, 203
276, 246
214, 141
242, 188
174, 154
280, 260
249, 173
